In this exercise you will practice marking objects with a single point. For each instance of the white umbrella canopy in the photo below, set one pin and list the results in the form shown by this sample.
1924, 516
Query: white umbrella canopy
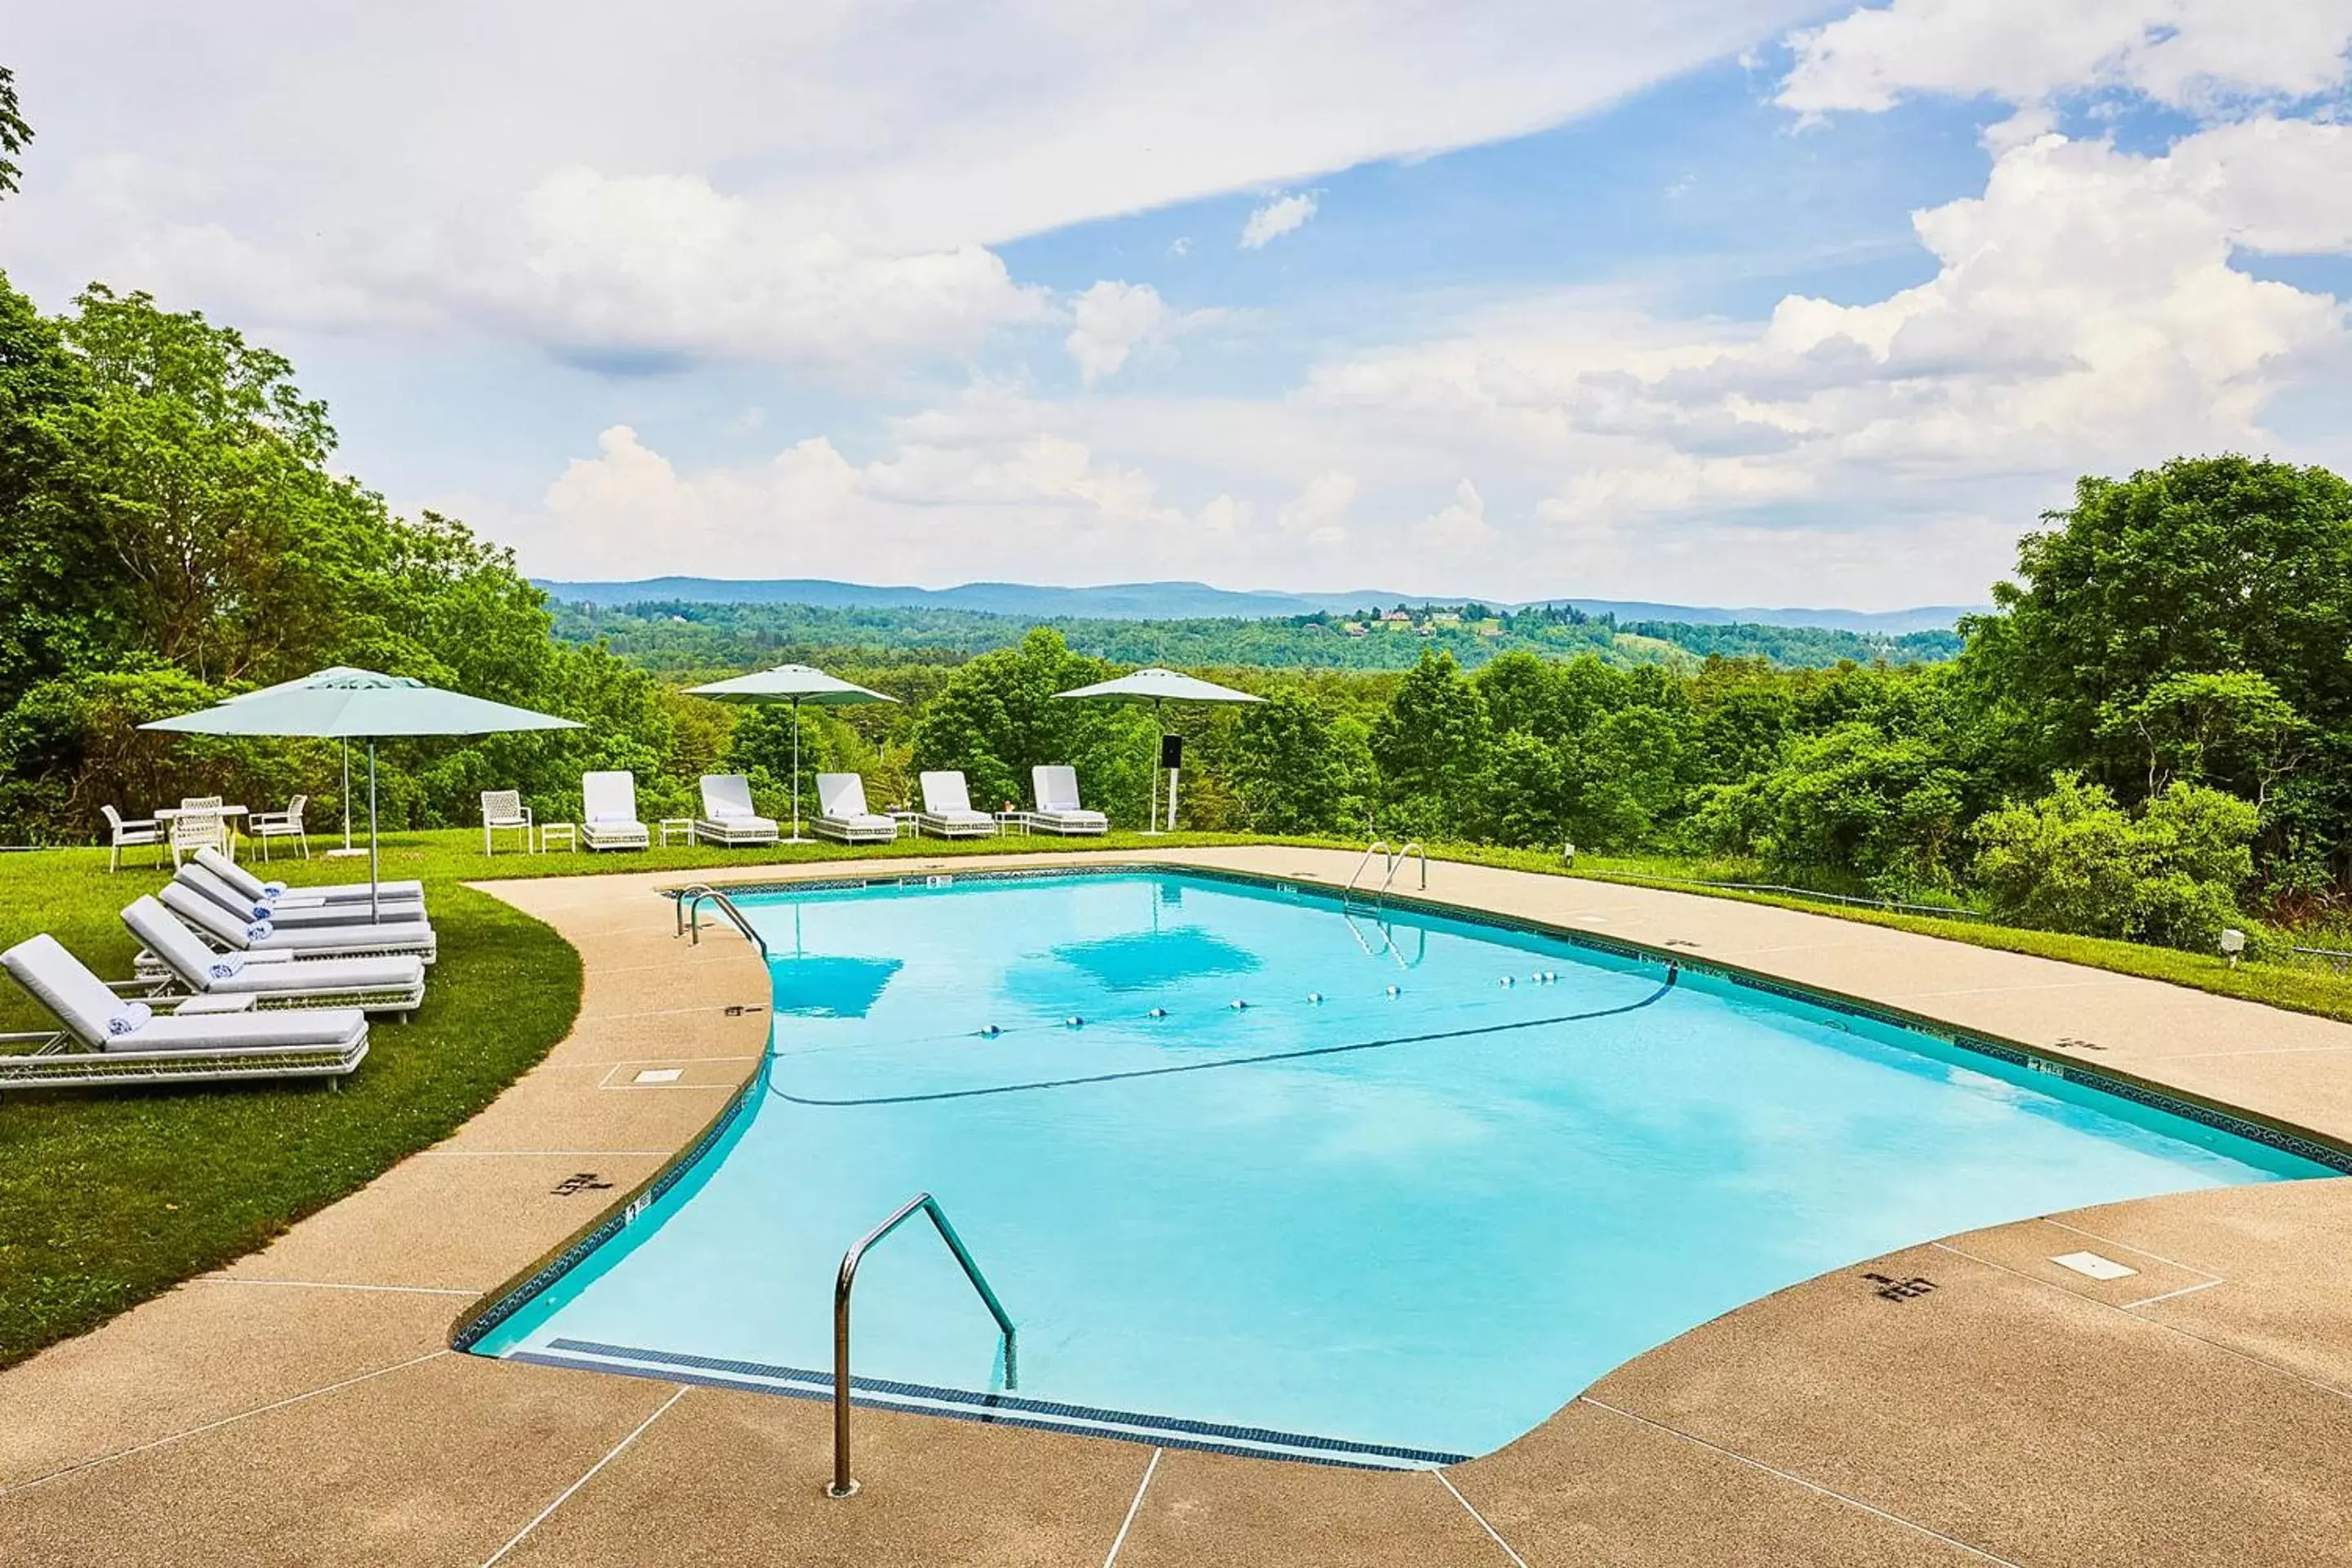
347, 704
794, 684
1157, 686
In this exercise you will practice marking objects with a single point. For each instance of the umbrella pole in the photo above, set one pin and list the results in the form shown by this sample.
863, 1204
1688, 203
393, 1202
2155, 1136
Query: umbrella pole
374, 914
346, 849
796, 770
1151, 813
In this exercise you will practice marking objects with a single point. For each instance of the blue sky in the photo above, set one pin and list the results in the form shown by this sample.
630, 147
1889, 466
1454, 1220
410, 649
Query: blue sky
1711, 301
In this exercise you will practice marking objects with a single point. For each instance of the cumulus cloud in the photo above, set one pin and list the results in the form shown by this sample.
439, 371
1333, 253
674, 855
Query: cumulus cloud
813, 181
1283, 215
1320, 511
1111, 319
2188, 54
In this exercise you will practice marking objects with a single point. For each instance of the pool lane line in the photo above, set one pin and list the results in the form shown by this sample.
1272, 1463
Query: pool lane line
1229, 1062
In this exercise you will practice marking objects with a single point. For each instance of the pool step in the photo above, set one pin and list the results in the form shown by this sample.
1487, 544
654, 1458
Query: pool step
993, 1409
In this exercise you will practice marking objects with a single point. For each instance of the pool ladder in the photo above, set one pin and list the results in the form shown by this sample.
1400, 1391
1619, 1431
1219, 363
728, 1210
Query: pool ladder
1393, 861
842, 1485
689, 914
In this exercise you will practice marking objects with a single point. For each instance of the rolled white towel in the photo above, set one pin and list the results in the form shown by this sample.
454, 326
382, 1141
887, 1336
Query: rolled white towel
226, 966
131, 1019
258, 930
273, 890
262, 912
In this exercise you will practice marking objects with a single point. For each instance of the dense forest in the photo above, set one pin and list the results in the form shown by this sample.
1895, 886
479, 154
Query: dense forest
2149, 736
693, 635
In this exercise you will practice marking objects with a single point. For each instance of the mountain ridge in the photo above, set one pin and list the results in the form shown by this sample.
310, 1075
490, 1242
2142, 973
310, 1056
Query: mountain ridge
1188, 600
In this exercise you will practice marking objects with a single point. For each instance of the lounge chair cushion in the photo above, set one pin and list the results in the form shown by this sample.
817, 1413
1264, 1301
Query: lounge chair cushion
295, 1027
215, 922
65, 986
278, 893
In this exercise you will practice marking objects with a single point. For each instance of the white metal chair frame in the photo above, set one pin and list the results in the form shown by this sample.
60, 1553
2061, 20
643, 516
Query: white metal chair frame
133, 833
265, 826
503, 811
201, 825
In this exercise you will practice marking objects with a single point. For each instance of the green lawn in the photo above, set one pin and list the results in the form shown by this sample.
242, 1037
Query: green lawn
110, 1197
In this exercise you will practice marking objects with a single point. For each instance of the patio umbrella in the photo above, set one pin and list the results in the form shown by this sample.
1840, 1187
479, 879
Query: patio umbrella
305, 680
345, 704
795, 684
1159, 687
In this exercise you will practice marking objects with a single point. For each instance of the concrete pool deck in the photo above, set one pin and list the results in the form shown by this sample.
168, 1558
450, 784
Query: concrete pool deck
1974, 1402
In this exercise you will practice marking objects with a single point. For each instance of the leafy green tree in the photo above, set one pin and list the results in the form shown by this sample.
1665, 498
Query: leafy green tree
997, 717
2074, 860
14, 131
1285, 766
1533, 791
2207, 564
1431, 746
2233, 729
1850, 805
59, 608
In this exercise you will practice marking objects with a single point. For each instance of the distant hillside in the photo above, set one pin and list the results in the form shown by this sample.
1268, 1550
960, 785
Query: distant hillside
1195, 600
680, 635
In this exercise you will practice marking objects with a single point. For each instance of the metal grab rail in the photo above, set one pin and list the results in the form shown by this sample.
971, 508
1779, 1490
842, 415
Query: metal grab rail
689, 914
1378, 847
1396, 863
841, 1486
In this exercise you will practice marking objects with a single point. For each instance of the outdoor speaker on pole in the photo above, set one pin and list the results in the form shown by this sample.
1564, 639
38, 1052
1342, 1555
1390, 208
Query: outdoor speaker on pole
1171, 750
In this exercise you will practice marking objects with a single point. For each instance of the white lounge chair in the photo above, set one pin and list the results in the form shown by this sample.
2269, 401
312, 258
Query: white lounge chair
841, 804
208, 919
947, 809
1058, 810
729, 817
265, 825
504, 812
198, 878
271, 979
139, 832
278, 893
107, 1039
608, 808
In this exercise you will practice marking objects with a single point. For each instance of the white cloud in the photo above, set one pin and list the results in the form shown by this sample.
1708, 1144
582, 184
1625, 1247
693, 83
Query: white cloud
1111, 320
813, 181
2188, 54
1319, 512
1277, 217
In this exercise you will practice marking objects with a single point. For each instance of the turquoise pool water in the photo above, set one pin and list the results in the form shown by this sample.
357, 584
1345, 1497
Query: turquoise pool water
1393, 1209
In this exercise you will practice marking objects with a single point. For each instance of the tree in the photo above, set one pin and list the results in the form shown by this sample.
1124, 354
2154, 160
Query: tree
1430, 746
997, 718
1285, 766
2231, 729
2207, 564
13, 132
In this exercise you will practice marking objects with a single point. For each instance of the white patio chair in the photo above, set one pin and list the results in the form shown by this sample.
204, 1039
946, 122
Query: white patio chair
503, 811
272, 980
947, 808
265, 826
137, 833
208, 919
729, 819
106, 1039
1058, 810
608, 808
841, 805
201, 825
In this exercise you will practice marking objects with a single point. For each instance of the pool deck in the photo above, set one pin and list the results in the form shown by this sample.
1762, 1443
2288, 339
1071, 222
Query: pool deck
303, 1406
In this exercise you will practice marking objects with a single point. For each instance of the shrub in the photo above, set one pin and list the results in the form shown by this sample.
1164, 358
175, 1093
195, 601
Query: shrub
2075, 861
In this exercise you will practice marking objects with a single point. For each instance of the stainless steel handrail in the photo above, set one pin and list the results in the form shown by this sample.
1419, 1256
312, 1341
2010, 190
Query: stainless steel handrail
689, 914
842, 1485
1396, 863
1378, 847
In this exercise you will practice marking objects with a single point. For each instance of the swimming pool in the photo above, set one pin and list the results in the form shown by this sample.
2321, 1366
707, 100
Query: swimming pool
1252, 1172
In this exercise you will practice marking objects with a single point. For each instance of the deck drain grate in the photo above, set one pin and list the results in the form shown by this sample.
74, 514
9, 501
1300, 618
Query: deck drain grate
2094, 1265
660, 1074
